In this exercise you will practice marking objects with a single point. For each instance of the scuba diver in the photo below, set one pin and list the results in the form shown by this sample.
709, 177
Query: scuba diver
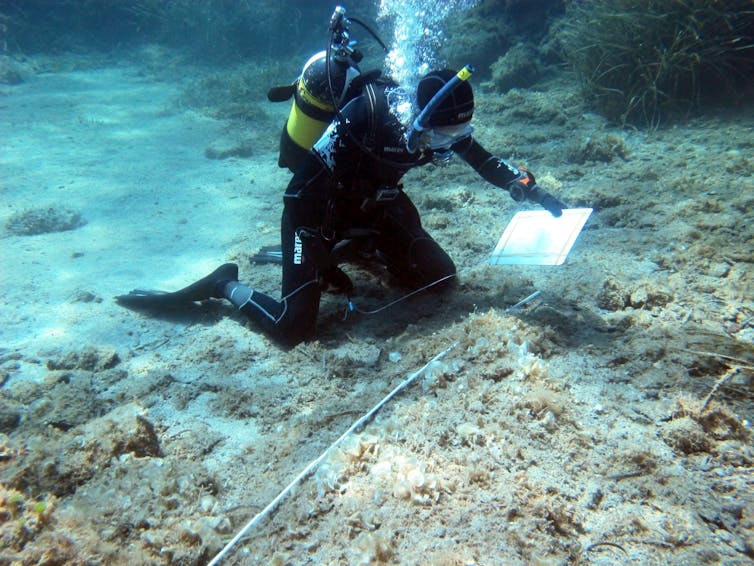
346, 189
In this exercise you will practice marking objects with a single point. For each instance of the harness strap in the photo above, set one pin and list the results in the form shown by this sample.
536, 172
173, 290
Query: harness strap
370, 139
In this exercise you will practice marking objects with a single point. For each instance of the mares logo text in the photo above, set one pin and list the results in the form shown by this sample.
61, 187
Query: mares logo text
298, 251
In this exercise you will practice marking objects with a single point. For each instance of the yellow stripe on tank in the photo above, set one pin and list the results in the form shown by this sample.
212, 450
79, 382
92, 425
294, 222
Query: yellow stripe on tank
302, 129
309, 98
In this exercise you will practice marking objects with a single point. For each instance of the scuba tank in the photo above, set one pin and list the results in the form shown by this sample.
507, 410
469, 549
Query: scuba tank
325, 86
320, 91
312, 109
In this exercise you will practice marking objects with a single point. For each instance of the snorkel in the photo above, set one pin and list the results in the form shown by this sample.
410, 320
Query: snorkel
421, 122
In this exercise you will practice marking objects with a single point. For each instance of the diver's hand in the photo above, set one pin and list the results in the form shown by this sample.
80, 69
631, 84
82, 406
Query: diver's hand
336, 278
546, 201
552, 205
525, 187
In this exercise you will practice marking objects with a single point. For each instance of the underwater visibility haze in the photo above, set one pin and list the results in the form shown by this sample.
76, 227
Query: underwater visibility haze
593, 412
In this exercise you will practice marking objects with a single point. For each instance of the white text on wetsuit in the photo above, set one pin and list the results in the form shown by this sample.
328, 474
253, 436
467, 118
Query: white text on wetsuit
297, 251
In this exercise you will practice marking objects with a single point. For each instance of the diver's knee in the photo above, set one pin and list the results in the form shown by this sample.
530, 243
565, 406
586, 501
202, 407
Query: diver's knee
432, 264
446, 284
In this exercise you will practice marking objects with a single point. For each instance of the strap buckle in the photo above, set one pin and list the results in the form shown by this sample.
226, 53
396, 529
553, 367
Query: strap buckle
387, 194
383, 194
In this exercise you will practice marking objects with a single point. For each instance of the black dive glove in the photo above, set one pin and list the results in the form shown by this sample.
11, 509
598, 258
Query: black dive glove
525, 187
330, 275
336, 278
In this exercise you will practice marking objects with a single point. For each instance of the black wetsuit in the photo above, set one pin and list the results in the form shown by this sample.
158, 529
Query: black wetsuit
350, 181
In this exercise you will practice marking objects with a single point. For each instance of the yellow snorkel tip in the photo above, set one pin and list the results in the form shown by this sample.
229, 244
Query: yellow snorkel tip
465, 73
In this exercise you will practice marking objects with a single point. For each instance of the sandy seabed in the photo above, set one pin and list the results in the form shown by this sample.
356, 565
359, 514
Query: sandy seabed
606, 422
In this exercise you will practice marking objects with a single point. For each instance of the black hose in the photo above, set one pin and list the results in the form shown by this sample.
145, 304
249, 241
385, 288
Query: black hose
374, 35
336, 107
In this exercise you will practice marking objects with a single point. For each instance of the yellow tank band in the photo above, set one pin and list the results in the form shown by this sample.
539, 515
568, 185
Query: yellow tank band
309, 98
302, 129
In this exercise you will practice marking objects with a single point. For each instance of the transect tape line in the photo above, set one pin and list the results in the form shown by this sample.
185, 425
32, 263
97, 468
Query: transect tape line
314, 463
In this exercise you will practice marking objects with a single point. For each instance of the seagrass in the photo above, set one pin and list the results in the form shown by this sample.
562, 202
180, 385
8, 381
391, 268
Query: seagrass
647, 61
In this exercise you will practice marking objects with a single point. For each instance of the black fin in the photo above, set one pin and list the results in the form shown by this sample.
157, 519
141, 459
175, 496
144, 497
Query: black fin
206, 288
269, 254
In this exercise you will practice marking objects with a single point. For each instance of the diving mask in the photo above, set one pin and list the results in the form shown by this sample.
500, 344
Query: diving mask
443, 137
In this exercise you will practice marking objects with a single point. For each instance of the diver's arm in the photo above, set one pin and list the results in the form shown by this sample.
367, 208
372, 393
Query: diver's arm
305, 199
318, 253
492, 169
519, 183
